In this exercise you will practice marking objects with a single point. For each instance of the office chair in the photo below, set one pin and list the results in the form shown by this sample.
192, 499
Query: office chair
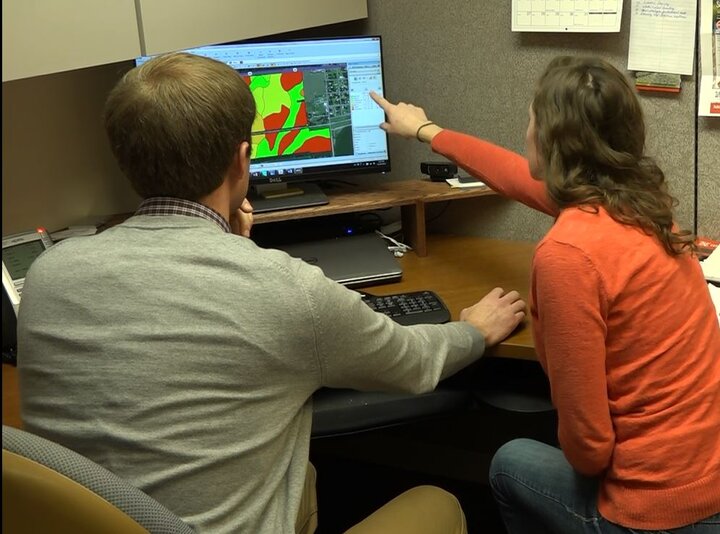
516, 394
48, 488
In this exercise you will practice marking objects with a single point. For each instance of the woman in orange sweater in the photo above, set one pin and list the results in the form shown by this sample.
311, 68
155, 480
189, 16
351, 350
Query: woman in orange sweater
622, 318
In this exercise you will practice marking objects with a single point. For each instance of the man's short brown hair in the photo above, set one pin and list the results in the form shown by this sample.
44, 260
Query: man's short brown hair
175, 123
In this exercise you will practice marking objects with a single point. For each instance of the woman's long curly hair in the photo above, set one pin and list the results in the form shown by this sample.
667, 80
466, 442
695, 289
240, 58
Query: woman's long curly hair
591, 137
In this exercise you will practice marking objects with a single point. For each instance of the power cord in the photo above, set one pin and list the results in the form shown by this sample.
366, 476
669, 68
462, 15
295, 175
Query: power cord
397, 248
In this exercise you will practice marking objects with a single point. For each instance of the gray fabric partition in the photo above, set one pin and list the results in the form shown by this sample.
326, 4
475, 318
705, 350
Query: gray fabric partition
459, 60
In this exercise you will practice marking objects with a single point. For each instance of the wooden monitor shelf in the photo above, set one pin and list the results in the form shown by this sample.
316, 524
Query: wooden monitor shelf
410, 196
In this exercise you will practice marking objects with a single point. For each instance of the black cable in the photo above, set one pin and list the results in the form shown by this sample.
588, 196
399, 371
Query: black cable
376, 219
441, 212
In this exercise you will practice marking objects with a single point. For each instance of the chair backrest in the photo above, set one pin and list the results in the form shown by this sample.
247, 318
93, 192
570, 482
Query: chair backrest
49, 488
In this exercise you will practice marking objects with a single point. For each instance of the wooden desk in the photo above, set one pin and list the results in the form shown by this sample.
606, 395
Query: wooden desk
460, 269
411, 196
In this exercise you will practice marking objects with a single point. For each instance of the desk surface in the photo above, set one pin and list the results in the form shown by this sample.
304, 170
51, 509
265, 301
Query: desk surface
460, 269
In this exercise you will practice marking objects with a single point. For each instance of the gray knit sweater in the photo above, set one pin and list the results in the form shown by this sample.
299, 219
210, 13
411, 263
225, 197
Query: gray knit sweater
184, 359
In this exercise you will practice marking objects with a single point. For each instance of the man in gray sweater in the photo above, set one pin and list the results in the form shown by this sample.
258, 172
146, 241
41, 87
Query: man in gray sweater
178, 354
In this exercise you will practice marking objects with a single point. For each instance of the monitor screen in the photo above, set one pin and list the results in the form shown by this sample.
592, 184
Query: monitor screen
315, 118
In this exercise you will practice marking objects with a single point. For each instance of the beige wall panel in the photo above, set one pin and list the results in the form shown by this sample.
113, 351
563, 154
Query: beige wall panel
57, 166
46, 36
176, 24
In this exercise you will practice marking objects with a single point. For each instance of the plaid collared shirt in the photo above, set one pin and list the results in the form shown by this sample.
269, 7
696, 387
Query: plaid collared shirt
179, 206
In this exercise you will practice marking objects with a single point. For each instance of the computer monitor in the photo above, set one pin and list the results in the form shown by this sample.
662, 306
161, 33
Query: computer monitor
315, 119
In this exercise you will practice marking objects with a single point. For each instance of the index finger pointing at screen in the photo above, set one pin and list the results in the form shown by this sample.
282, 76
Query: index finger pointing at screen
380, 101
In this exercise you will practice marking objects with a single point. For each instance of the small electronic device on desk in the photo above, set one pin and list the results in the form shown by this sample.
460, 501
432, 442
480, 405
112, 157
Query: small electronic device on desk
354, 261
19, 251
416, 307
438, 171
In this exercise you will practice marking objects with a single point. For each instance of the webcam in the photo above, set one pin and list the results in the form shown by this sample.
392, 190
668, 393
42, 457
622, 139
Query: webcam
438, 171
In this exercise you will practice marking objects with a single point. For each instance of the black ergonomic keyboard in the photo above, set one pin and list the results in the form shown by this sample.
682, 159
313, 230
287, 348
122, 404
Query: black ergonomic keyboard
417, 307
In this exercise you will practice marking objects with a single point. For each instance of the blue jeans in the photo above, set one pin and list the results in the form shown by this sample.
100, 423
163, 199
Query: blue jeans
538, 492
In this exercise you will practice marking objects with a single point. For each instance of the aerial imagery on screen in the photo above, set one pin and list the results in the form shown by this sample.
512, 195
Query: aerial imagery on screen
304, 112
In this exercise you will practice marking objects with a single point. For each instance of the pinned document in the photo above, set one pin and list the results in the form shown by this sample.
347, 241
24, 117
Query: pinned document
464, 182
662, 36
566, 15
709, 101
715, 296
711, 266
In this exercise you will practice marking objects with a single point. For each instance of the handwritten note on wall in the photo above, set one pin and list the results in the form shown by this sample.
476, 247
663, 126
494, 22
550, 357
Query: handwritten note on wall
662, 36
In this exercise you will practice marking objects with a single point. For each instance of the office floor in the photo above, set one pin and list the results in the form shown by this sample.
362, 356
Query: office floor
348, 491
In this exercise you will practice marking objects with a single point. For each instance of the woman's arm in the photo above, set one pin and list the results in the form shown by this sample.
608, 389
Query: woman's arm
503, 170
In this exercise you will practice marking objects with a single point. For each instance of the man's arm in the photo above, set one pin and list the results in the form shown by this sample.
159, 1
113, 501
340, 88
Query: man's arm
362, 349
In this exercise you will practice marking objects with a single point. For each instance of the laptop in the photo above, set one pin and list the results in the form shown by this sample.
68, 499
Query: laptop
353, 261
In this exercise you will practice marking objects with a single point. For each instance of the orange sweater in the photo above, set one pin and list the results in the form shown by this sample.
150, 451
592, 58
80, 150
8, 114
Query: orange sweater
630, 342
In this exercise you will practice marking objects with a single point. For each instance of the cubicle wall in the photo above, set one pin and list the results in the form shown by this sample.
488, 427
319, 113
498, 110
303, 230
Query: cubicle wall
460, 61
457, 58
708, 204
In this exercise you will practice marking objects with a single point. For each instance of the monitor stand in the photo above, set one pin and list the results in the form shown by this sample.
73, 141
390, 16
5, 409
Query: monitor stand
272, 197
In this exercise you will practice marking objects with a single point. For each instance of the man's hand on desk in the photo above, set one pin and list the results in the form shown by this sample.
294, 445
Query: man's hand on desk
241, 220
496, 315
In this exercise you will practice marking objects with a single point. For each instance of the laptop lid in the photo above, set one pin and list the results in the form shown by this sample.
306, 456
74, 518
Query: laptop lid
351, 260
